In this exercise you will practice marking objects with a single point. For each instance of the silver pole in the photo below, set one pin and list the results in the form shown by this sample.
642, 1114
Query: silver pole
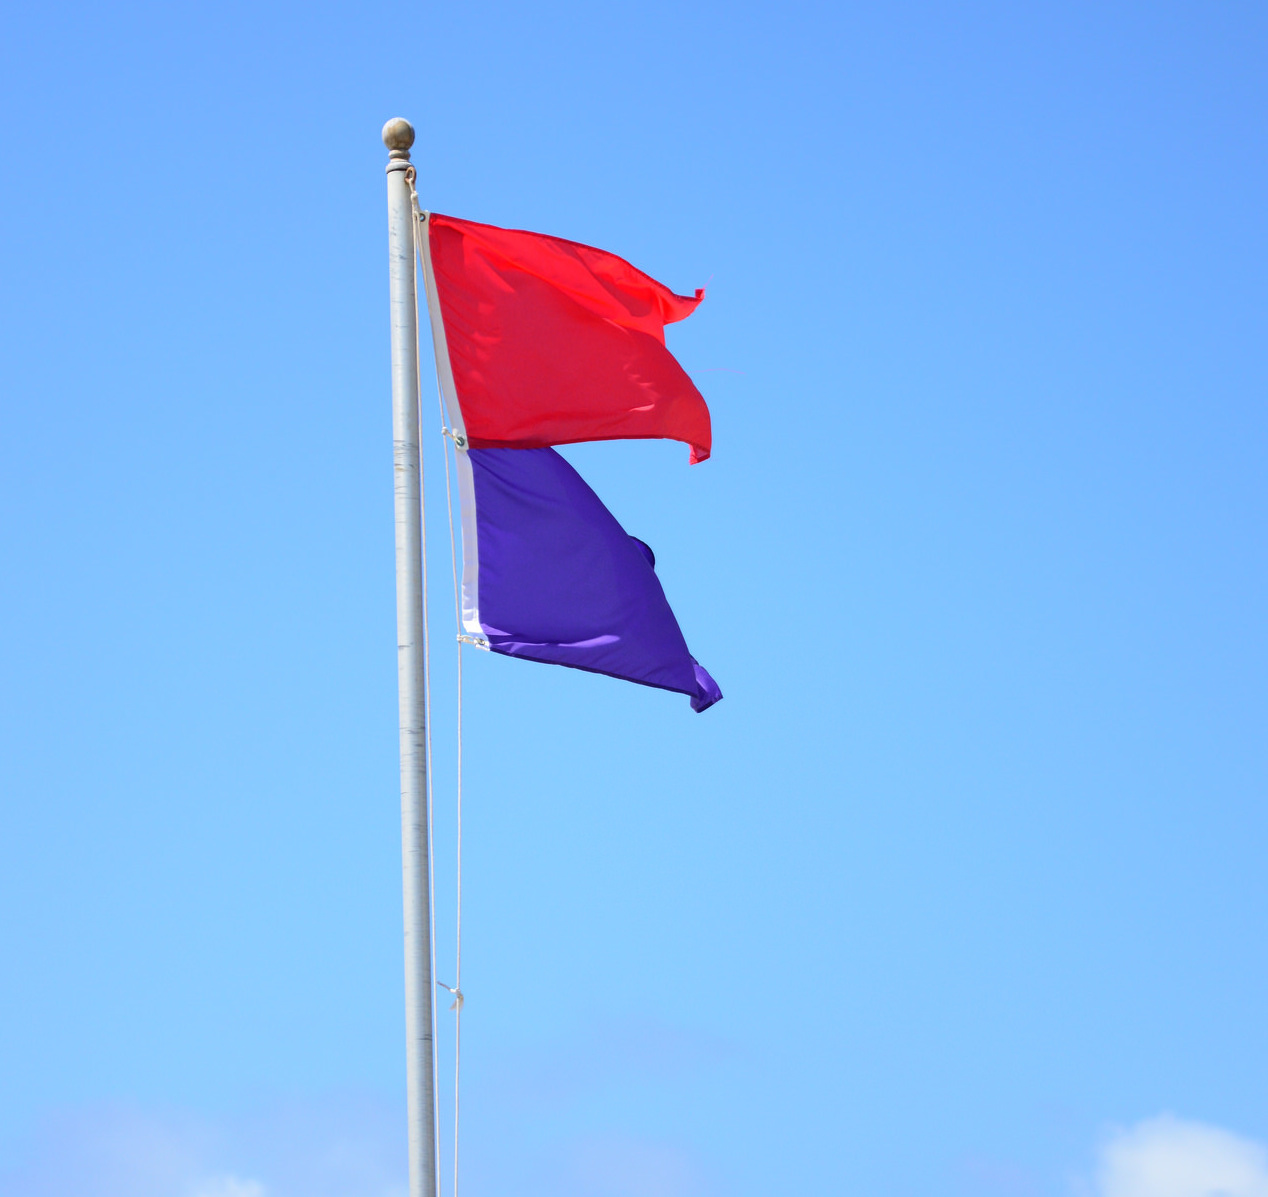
398, 136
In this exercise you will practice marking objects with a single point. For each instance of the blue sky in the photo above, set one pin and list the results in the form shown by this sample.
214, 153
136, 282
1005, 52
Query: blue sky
960, 890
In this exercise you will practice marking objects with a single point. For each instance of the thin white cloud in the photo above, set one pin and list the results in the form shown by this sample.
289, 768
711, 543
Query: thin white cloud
229, 1186
619, 1166
336, 1148
1171, 1157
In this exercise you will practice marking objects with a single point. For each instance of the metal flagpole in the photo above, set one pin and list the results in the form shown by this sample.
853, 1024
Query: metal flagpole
398, 136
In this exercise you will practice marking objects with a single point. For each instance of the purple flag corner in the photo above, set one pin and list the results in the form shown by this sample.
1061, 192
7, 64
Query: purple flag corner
549, 575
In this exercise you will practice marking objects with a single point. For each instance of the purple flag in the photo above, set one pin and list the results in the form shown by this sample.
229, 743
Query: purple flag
548, 574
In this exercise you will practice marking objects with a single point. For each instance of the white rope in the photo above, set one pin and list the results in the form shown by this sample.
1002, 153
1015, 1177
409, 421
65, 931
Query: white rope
420, 227
410, 175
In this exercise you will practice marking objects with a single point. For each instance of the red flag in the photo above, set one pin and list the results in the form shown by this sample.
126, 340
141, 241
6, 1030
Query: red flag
552, 342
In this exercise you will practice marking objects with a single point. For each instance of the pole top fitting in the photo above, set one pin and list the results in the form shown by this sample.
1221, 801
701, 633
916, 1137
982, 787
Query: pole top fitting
398, 136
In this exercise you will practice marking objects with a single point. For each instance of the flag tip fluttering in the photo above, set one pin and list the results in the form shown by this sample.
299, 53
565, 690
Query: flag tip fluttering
707, 690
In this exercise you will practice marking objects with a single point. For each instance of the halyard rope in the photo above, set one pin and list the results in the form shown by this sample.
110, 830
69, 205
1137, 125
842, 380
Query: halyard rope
420, 231
431, 881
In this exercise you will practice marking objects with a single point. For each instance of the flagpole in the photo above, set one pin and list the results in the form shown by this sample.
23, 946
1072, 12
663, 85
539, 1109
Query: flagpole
398, 136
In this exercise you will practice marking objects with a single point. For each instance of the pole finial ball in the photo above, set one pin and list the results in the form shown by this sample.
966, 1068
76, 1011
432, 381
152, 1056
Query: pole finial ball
398, 134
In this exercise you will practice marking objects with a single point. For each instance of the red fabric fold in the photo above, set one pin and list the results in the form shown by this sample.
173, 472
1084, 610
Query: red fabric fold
553, 342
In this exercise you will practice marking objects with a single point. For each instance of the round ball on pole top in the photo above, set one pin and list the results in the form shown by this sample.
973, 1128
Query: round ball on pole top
398, 136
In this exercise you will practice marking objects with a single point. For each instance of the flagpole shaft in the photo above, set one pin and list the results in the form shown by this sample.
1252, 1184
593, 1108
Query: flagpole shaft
398, 136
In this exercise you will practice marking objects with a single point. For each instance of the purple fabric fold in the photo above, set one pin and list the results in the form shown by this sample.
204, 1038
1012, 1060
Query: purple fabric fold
560, 581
